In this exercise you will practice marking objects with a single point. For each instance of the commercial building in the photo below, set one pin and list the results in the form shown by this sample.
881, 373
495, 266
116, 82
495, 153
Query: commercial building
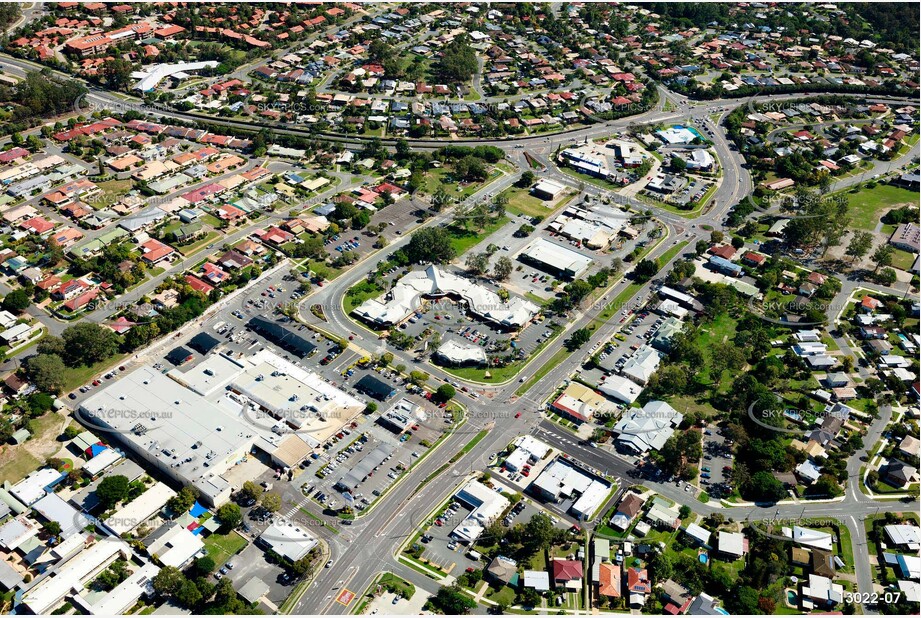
647, 428
486, 505
582, 404
528, 450
375, 387
287, 540
154, 74
906, 237
69, 580
140, 509
399, 417
285, 338
563, 482
642, 365
454, 352
620, 388
557, 259
407, 297
547, 189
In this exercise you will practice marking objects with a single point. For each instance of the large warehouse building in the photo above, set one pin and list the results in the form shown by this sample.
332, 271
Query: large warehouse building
192, 429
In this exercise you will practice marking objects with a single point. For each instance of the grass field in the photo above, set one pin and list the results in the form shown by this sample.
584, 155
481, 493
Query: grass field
867, 206
462, 239
75, 376
221, 547
355, 297
520, 202
902, 259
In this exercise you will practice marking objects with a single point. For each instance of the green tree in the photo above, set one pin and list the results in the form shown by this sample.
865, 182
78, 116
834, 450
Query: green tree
503, 268
883, 256
451, 600
860, 245
168, 580
230, 516
46, 371
271, 501
87, 343
112, 490
251, 490
430, 245
477, 263
578, 338
204, 566
17, 301
444, 393
183, 501
645, 270
188, 594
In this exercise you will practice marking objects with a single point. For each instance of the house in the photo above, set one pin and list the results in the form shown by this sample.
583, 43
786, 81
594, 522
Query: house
609, 580
731, 545
906, 237
821, 593
153, 251
899, 473
906, 537
538, 580
627, 510
675, 597
567, 573
502, 570
910, 446
638, 586
705, 605
698, 535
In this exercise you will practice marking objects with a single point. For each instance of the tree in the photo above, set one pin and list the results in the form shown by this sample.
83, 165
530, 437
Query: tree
430, 245
539, 531
183, 501
451, 601
52, 527
883, 256
444, 393
645, 270
51, 345
578, 338
716, 237
271, 502
188, 594
764, 486
458, 61
701, 246
251, 490
503, 268
204, 565
112, 490
168, 580
661, 567
17, 301
418, 377
230, 517
527, 179
477, 263
46, 371
617, 266
860, 245
684, 512
87, 343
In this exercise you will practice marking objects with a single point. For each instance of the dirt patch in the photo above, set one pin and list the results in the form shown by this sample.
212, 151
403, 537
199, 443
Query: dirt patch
16, 461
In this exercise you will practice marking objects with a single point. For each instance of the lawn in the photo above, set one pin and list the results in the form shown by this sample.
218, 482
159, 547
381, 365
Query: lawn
463, 239
519, 201
116, 189
720, 330
76, 376
359, 293
19, 466
504, 595
867, 206
197, 245
221, 547
902, 259
476, 440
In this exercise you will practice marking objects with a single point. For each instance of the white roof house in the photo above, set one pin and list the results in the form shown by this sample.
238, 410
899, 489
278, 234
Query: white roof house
808, 537
698, 533
559, 480
32, 488
822, 590
731, 543
539, 580
102, 462
904, 535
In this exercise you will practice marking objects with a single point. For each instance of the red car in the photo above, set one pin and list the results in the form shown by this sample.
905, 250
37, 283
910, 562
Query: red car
518, 415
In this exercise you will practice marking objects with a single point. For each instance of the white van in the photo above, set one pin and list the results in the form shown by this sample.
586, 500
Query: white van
474, 555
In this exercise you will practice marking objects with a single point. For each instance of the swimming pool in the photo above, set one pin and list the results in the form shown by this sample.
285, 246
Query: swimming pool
703, 558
